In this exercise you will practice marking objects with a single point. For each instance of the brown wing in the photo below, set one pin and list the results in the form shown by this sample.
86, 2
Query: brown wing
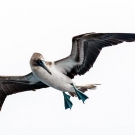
86, 48
14, 84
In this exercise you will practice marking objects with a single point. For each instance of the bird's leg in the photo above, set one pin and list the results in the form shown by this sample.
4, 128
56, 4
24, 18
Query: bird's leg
67, 102
79, 94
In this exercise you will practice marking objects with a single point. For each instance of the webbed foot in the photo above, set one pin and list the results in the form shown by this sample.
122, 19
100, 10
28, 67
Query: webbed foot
79, 94
67, 102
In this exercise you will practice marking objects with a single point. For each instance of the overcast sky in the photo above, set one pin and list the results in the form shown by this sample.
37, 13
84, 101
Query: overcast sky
47, 27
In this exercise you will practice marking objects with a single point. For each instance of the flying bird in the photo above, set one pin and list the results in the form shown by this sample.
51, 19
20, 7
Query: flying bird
59, 74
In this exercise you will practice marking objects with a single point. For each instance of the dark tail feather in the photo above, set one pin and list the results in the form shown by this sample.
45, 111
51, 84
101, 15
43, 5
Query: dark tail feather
2, 98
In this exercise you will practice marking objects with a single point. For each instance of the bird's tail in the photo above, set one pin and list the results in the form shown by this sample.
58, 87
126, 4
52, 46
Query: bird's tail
2, 98
84, 88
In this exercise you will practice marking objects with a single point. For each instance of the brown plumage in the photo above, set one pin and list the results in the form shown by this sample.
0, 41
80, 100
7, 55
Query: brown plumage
34, 58
48, 63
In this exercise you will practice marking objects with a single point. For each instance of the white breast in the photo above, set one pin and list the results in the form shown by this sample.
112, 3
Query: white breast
57, 80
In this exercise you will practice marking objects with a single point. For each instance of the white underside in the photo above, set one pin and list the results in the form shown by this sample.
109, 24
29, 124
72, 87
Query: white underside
57, 80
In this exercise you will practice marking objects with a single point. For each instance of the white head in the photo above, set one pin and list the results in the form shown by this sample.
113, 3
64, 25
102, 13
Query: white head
37, 60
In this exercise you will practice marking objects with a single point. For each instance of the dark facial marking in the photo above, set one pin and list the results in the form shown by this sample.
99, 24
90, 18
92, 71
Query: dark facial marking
39, 62
42, 64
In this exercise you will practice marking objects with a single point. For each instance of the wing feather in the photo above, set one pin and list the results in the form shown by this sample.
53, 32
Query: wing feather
14, 84
86, 48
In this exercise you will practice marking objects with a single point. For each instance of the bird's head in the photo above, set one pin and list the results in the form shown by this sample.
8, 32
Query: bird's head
37, 60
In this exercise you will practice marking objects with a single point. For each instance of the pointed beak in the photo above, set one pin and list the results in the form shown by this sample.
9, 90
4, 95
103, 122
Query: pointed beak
46, 68
42, 64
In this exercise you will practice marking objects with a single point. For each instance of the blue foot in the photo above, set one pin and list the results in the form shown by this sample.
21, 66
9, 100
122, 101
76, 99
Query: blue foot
79, 94
67, 102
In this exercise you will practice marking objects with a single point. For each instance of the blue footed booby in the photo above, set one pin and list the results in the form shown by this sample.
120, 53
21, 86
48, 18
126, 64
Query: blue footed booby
59, 74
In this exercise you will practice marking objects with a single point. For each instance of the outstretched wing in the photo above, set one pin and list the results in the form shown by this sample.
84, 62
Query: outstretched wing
14, 84
85, 50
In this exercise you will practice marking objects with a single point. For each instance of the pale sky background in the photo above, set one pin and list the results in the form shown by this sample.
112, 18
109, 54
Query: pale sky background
47, 26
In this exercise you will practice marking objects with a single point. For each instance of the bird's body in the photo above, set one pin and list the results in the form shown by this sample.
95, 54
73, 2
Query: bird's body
56, 79
59, 74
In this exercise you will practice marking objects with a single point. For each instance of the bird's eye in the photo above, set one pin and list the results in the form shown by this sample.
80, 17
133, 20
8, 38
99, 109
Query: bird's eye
39, 62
